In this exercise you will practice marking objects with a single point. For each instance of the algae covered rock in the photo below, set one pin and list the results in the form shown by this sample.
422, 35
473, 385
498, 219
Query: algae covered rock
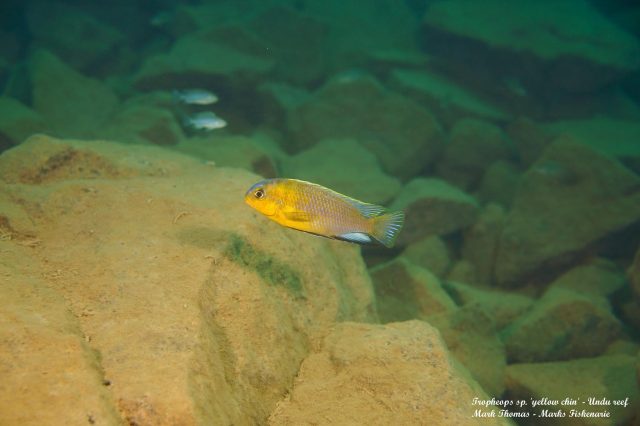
78, 38
481, 242
473, 146
352, 380
17, 122
211, 57
177, 302
449, 101
405, 291
232, 151
607, 377
403, 136
433, 207
71, 104
548, 45
504, 308
567, 203
499, 184
562, 325
598, 276
634, 275
430, 253
344, 166
471, 336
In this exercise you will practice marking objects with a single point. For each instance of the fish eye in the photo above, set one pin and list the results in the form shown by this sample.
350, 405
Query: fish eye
259, 193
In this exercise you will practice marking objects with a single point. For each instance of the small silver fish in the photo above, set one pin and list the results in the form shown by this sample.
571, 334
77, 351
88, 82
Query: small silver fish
195, 96
205, 120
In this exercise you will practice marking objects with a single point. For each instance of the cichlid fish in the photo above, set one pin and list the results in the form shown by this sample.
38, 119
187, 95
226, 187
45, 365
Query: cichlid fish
195, 96
205, 120
318, 210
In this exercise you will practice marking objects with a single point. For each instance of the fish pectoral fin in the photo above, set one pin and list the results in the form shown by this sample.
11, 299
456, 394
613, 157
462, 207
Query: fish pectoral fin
297, 216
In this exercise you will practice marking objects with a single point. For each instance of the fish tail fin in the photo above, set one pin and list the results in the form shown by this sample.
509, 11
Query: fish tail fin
386, 227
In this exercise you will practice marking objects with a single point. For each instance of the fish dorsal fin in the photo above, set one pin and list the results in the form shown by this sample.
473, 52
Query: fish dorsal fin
355, 237
367, 210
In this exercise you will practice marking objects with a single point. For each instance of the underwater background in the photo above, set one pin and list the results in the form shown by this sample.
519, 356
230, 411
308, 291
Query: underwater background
137, 287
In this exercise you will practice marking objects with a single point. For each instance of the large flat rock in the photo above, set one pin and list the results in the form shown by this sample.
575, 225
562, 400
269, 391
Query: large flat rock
147, 292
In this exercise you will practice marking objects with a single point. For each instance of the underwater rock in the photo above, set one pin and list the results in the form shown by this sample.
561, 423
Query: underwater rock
404, 136
77, 38
562, 325
529, 138
57, 379
449, 101
175, 295
634, 275
481, 242
295, 41
610, 377
617, 138
352, 170
473, 145
405, 291
499, 184
17, 122
232, 151
501, 306
228, 58
277, 99
566, 204
430, 253
145, 124
549, 46
71, 104
354, 380
597, 276
382, 62
470, 335
433, 207
463, 271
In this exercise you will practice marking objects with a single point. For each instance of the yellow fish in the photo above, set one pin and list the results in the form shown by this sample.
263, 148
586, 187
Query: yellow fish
318, 210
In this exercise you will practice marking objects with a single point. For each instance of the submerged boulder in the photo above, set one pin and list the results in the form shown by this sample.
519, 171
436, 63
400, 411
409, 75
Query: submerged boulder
567, 203
405, 291
403, 135
17, 122
433, 207
72, 104
137, 284
564, 45
606, 377
353, 380
562, 325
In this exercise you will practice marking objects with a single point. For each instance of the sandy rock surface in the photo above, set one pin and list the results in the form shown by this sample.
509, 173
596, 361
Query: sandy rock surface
352, 380
147, 289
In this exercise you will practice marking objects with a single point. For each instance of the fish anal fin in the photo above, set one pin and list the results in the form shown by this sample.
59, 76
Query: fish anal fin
355, 237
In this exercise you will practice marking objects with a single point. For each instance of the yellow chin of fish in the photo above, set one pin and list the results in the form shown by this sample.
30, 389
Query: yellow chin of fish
266, 207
